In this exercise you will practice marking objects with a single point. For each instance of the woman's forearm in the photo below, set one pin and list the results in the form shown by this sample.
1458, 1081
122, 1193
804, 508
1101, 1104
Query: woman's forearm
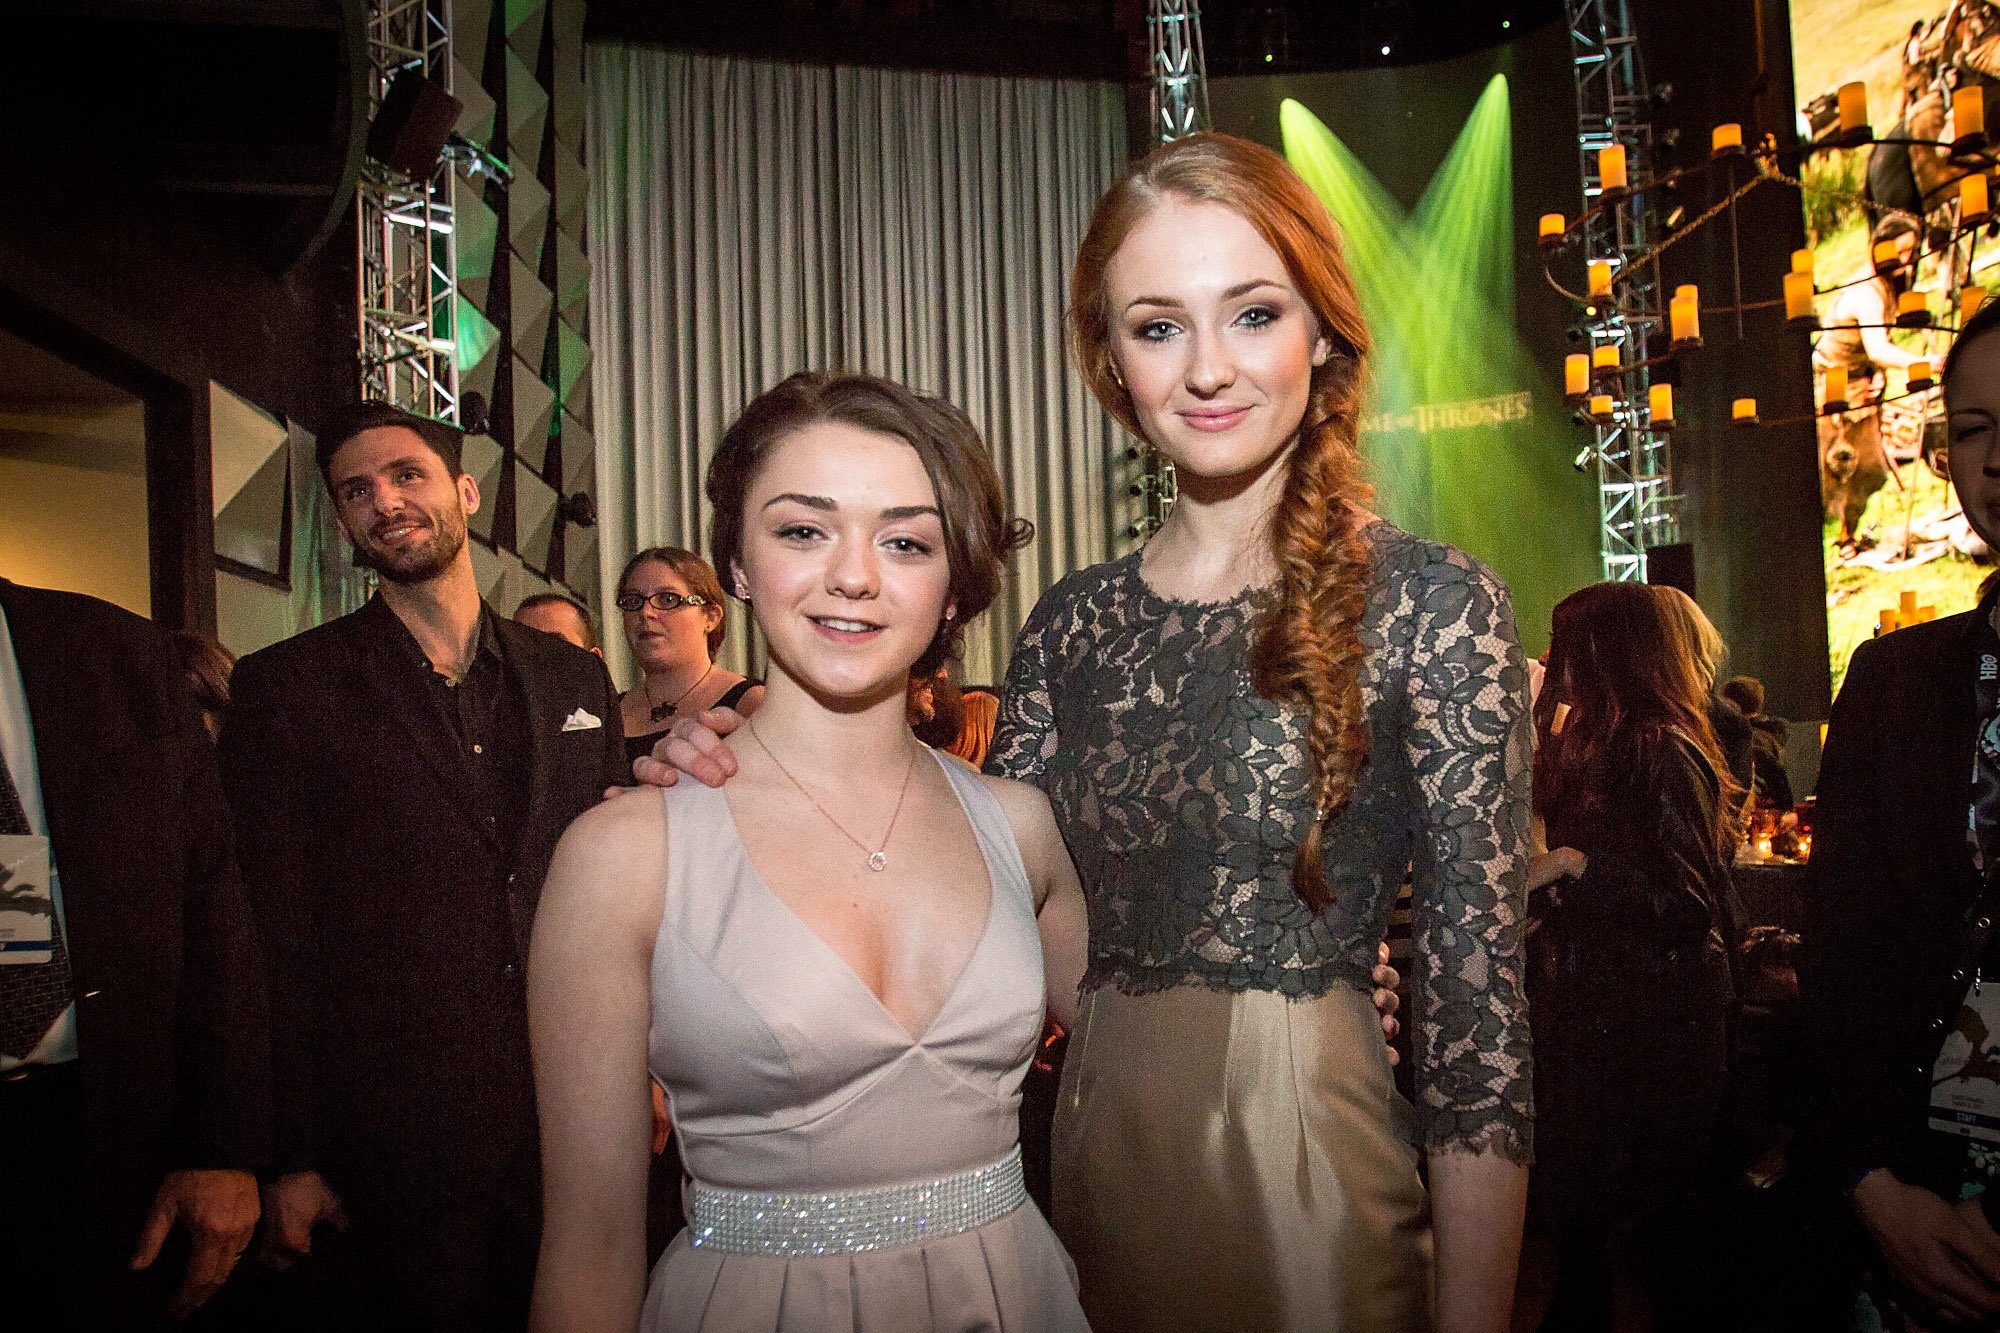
1478, 1203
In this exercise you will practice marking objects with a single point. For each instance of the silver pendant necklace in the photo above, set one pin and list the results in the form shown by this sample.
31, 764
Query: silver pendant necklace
878, 859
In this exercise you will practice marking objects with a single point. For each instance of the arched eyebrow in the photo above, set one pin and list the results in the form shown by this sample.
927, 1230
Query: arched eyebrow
1240, 289
827, 506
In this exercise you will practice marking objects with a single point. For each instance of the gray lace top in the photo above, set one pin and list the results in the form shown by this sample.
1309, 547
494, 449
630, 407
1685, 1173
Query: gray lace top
1182, 795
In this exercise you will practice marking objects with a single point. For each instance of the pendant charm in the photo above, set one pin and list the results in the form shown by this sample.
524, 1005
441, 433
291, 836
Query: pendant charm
878, 860
661, 712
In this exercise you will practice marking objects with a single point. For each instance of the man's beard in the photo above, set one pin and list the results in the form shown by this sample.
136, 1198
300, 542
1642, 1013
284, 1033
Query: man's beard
419, 563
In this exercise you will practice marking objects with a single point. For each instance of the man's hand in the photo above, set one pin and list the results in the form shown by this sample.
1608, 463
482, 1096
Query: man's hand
218, 1210
1386, 980
692, 746
293, 1206
1944, 1255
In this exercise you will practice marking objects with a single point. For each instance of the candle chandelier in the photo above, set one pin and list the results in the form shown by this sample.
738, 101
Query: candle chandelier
1618, 241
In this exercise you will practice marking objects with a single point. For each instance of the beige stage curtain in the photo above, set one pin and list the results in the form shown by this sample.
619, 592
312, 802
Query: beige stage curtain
750, 219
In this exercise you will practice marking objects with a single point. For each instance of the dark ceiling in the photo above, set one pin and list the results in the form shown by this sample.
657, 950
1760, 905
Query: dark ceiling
1102, 39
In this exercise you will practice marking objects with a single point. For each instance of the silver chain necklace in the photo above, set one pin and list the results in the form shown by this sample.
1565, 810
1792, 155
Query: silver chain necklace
878, 859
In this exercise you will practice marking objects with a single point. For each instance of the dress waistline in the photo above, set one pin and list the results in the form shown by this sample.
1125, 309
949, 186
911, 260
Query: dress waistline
851, 1221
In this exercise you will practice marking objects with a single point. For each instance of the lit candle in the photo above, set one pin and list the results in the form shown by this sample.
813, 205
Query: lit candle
1912, 309
1743, 411
1660, 404
1604, 358
1968, 111
1853, 107
1886, 622
1684, 316
1925, 614
1972, 198
1576, 375
1835, 391
1799, 295
1601, 407
1600, 277
1970, 298
1906, 606
1885, 255
1611, 168
1802, 261
1919, 375
1553, 227
1726, 139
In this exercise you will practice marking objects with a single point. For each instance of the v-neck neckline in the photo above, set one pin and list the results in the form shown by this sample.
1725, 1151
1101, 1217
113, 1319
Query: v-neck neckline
915, 1041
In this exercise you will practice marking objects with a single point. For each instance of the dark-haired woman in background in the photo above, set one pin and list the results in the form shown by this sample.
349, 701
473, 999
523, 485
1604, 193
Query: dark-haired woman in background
208, 666
674, 621
1630, 973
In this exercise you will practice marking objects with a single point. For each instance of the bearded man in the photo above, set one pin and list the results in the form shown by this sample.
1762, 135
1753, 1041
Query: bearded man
399, 778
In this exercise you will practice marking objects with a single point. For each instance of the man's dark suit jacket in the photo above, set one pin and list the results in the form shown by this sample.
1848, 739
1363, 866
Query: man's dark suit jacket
1898, 917
171, 1023
396, 923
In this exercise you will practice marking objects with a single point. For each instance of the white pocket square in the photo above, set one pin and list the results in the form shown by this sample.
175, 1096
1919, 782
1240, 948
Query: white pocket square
582, 720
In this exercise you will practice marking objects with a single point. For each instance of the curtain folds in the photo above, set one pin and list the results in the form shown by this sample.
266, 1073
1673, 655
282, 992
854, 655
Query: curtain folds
750, 219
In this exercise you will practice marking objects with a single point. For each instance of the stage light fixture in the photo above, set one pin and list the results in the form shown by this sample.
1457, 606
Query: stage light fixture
474, 416
1582, 461
1505, 24
1662, 94
579, 510
1385, 50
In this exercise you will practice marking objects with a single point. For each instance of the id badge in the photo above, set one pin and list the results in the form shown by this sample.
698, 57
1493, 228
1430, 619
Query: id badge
1965, 1082
27, 907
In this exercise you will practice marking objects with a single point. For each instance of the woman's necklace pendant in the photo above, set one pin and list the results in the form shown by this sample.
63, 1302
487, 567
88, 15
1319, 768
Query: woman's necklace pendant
878, 860
660, 712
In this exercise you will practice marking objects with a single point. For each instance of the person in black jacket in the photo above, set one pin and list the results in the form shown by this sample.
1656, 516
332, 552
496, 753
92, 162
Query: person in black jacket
1629, 973
400, 777
134, 1088
1898, 949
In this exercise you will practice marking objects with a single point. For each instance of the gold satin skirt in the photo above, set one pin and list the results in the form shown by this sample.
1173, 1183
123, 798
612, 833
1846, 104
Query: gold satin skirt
1239, 1162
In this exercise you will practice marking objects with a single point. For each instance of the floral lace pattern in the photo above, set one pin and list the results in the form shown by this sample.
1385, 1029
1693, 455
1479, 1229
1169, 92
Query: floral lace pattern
1182, 795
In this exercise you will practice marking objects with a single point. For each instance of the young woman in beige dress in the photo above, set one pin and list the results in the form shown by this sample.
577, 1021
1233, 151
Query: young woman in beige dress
834, 967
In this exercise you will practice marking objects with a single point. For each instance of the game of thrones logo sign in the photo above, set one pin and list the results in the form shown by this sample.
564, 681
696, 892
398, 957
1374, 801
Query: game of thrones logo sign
1426, 418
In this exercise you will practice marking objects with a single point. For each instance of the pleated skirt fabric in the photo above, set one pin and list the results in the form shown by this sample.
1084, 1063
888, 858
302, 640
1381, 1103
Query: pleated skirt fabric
1240, 1162
1008, 1276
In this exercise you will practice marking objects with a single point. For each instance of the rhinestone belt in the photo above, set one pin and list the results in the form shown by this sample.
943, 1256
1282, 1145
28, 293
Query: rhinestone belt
850, 1221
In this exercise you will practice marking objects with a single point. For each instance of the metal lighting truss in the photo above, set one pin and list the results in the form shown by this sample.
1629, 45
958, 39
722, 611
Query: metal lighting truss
1637, 506
408, 270
1180, 107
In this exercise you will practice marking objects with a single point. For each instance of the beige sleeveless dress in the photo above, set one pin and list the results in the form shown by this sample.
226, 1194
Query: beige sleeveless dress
786, 1074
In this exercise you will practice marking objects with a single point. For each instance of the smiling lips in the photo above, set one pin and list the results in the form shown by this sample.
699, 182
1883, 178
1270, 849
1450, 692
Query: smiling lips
390, 534
1214, 419
842, 630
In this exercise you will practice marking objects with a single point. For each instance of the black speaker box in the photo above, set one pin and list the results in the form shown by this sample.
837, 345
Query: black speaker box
1672, 566
410, 129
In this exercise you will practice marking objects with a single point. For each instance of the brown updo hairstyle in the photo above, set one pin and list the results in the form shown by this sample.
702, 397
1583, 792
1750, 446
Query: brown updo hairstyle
694, 571
978, 535
1306, 652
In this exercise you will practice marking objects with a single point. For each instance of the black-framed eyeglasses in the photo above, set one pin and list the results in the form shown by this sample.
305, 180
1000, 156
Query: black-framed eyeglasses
666, 599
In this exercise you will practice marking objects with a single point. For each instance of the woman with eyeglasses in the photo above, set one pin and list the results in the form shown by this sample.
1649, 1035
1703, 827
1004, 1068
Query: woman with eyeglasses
671, 603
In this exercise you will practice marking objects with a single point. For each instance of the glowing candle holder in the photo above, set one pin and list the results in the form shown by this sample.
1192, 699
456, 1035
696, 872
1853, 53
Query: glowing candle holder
1912, 311
1920, 377
1684, 316
1603, 408
1802, 261
1726, 141
1853, 102
1743, 412
1576, 378
1660, 406
1974, 199
1906, 606
1604, 360
1968, 119
1926, 614
1885, 256
1600, 278
1833, 396
1554, 230
1611, 178
1886, 622
1799, 300
1970, 298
